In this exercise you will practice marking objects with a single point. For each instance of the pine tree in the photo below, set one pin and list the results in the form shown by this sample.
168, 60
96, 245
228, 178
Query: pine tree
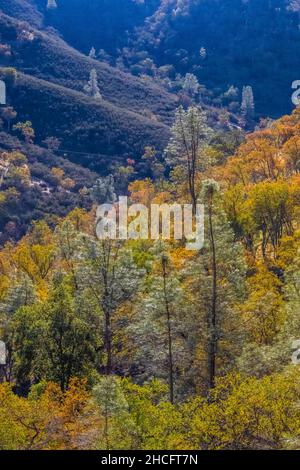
161, 328
203, 53
294, 5
51, 5
219, 273
191, 84
248, 106
108, 276
103, 191
118, 425
20, 293
92, 53
189, 136
92, 88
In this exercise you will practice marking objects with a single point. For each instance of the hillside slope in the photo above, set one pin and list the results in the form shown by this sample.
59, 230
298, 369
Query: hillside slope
24, 10
46, 56
253, 42
43, 195
132, 114
118, 20
103, 132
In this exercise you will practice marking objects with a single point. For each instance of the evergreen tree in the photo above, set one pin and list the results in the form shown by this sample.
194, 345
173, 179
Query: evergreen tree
54, 338
103, 191
161, 329
8, 115
191, 84
92, 53
92, 88
190, 135
219, 273
109, 276
20, 293
51, 4
118, 425
203, 53
248, 106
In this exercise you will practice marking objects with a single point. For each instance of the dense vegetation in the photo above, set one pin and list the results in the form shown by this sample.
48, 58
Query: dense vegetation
51, 188
131, 115
253, 42
144, 344
153, 345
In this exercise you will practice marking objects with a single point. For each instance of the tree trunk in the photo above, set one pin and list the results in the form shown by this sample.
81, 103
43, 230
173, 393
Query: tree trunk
108, 341
169, 332
212, 321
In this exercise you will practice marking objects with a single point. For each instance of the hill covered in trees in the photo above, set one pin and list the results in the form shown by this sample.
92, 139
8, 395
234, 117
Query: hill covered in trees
223, 42
126, 101
138, 343
144, 344
226, 44
102, 132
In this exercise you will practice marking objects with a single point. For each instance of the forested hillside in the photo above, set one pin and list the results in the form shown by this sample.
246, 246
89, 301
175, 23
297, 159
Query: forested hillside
223, 42
155, 346
148, 342
126, 101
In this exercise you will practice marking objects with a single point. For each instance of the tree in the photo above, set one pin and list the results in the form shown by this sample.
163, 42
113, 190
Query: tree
294, 5
263, 311
26, 129
210, 188
190, 135
13, 167
55, 340
92, 53
248, 106
103, 191
51, 4
154, 163
52, 143
21, 292
203, 53
8, 114
142, 191
35, 255
110, 276
191, 85
92, 88
47, 418
217, 286
291, 151
272, 206
118, 426
245, 413
164, 265
157, 330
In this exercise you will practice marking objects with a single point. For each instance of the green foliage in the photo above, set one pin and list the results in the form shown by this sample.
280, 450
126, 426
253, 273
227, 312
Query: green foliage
140, 344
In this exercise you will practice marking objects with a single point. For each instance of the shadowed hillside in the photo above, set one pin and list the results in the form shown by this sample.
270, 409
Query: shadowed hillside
83, 123
253, 42
48, 57
24, 10
42, 195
